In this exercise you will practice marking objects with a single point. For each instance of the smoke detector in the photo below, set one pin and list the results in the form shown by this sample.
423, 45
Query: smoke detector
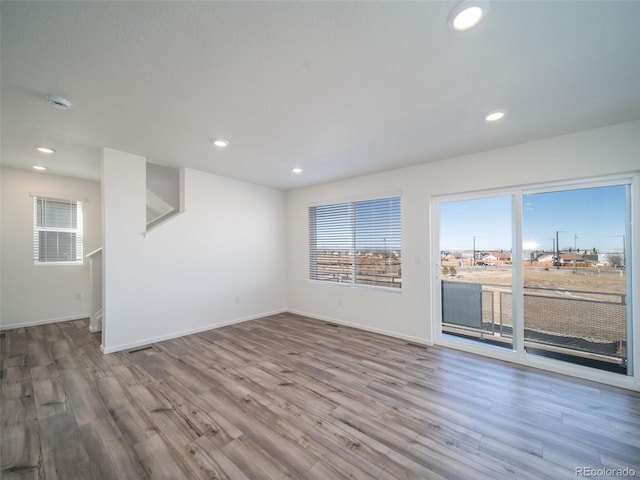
59, 102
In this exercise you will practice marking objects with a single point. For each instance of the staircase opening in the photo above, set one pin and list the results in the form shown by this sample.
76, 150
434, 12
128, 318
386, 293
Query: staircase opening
163, 193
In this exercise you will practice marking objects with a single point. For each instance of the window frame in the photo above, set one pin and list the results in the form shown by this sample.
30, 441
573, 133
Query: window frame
352, 247
78, 231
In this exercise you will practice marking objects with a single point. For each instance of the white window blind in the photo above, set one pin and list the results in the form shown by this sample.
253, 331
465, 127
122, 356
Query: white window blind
357, 242
57, 230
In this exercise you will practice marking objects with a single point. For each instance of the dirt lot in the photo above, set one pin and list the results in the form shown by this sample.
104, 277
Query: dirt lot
565, 278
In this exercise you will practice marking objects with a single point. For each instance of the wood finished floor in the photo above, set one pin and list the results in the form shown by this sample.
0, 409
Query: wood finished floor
287, 397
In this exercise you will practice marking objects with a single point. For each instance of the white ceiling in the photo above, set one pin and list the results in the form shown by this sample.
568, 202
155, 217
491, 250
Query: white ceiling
338, 88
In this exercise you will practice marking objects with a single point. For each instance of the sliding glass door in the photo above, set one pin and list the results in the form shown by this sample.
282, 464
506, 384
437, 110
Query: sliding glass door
575, 277
564, 292
475, 263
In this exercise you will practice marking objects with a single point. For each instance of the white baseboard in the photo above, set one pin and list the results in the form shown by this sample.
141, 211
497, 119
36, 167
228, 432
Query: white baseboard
169, 336
388, 333
43, 322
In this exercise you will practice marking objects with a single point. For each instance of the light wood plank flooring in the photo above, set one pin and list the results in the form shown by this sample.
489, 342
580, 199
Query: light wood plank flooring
286, 397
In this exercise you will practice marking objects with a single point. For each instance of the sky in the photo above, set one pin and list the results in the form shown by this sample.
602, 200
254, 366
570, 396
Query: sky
587, 218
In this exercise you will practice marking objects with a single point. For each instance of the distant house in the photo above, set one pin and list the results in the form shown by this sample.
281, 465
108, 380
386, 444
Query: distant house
571, 258
504, 256
591, 257
497, 257
542, 260
566, 259
489, 258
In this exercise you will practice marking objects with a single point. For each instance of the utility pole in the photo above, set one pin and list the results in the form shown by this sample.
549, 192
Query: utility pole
385, 256
474, 249
558, 247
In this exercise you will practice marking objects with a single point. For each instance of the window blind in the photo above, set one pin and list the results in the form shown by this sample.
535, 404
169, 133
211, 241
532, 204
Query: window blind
57, 230
357, 242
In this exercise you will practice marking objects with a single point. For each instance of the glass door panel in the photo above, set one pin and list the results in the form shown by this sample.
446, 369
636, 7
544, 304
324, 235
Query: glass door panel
476, 277
575, 277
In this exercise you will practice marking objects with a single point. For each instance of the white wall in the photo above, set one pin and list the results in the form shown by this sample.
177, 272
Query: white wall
220, 261
604, 151
35, 294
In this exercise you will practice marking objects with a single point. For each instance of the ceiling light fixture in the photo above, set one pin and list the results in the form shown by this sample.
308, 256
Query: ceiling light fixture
468, 14
495, 115
38, 167
46, 150
296, 170
220, 143
59, 102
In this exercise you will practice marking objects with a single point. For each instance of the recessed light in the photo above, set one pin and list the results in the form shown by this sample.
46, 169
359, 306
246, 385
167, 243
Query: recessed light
59, 102
220, 143
296, 170
468, 14
46, 150
38, 167
494, 116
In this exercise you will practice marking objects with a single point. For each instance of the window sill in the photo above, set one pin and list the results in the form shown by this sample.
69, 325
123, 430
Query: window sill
55, 264
356, 286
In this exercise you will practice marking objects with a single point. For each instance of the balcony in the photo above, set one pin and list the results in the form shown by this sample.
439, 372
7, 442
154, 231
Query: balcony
581, 326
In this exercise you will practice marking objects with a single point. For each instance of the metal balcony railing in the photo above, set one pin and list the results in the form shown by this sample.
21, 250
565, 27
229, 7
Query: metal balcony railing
589, 324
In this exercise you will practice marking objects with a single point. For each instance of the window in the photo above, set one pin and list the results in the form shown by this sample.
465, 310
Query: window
57, 230
357, 243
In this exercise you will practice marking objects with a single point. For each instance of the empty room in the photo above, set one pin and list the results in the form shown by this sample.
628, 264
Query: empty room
319, 240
